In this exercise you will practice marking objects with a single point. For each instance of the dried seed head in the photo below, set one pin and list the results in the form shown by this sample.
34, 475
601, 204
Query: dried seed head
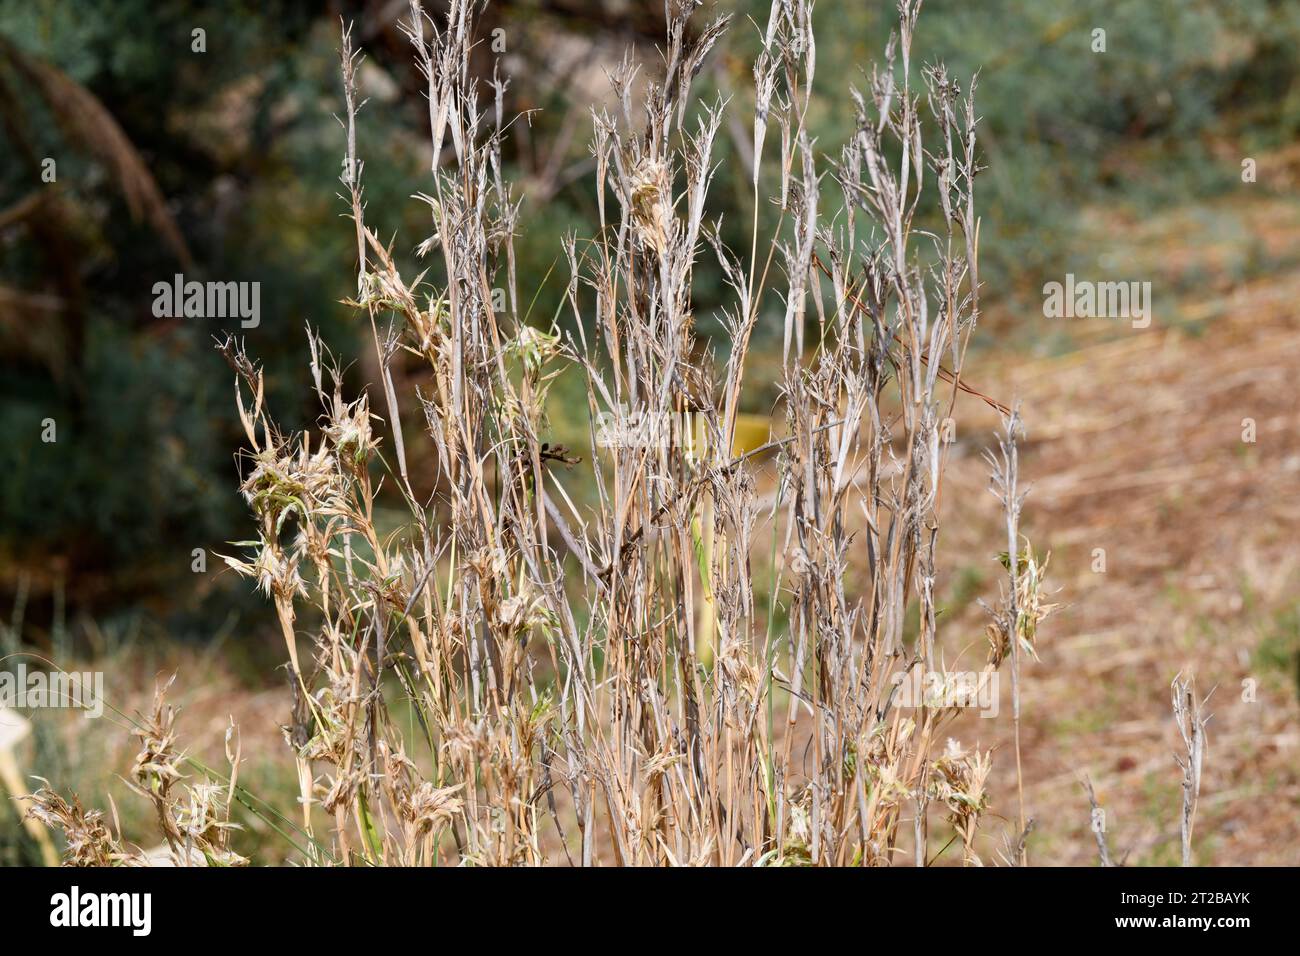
430, 807
652, 216
958, 779
89, 841
349, 432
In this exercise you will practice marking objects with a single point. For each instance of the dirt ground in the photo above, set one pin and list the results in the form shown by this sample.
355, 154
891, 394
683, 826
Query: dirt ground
1138, 444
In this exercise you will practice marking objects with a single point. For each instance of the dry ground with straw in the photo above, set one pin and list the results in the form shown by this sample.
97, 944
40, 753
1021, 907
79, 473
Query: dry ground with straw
1135, 446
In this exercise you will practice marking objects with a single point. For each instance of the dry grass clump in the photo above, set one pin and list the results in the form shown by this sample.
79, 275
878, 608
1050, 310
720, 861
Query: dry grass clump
88, 840
600, 684
193, 818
